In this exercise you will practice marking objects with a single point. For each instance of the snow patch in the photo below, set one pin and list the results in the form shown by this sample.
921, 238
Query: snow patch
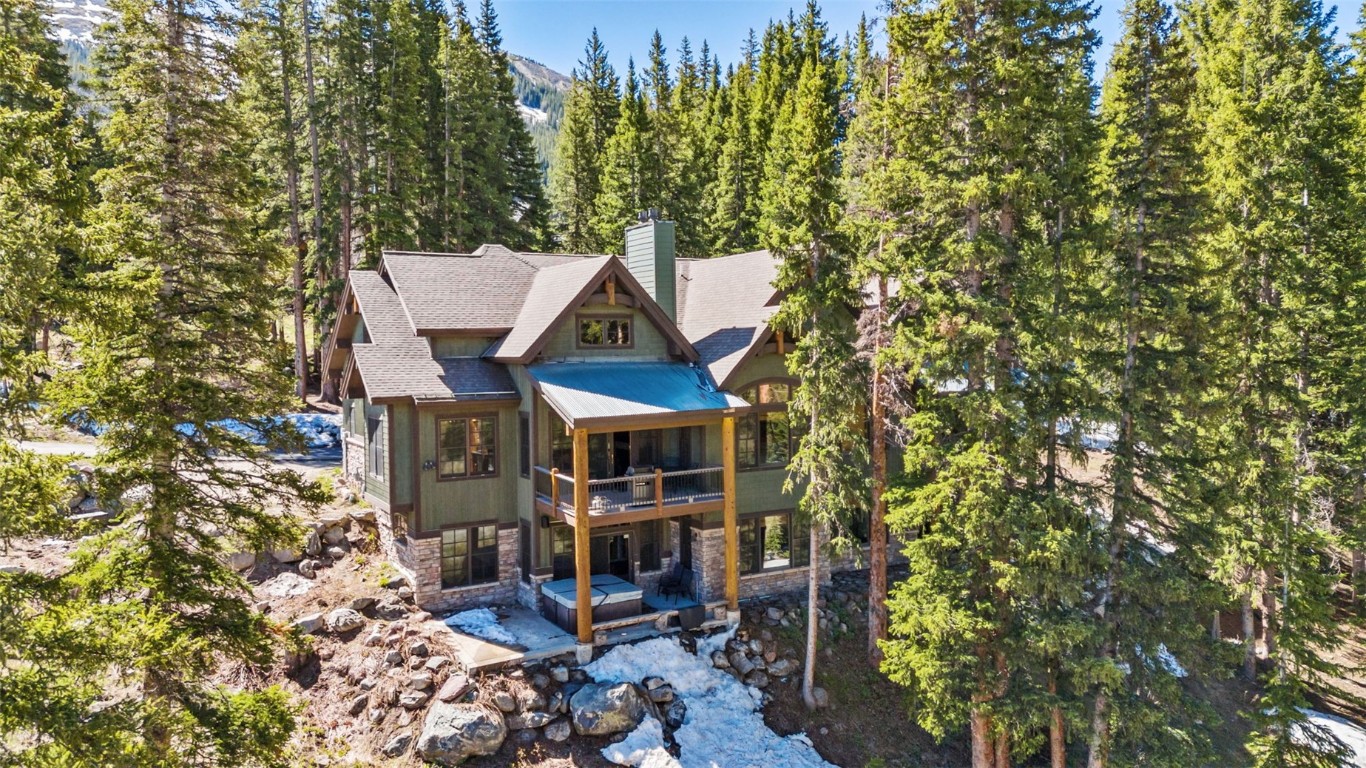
644, 747
532, 114
482, 623
723, 726
1352, 736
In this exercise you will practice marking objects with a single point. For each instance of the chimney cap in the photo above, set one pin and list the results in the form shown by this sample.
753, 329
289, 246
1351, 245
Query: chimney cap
649, 214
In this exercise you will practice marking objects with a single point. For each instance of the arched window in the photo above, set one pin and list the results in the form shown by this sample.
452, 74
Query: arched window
766, 437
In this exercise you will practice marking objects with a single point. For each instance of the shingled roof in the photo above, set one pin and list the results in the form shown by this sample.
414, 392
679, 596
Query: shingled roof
394, 363
724, 305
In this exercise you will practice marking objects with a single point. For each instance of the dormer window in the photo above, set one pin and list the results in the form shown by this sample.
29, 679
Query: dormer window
605, 332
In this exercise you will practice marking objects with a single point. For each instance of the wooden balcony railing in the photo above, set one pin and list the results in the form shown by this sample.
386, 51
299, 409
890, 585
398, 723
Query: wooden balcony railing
637, 492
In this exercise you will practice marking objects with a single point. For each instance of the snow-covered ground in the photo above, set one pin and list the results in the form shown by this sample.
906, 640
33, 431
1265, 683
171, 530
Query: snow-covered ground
531, 114
482, 623
723, 725
1350, 734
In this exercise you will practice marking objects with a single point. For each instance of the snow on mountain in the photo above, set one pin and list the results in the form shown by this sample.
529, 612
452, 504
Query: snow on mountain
74, 21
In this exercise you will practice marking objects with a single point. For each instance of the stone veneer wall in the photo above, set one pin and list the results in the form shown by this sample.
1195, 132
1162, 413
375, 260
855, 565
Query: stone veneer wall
353, 461
397, 545
427, 572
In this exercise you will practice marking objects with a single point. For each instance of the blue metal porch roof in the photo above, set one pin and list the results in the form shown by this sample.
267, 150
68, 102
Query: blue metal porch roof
598, 394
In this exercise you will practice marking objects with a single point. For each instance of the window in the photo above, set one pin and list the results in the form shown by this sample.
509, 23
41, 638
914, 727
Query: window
466, 447
604, 332
374, 443
771, 542
524, 444
469, 556
766, 437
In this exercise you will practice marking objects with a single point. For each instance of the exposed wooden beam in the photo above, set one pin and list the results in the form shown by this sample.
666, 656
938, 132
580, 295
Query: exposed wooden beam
611, 290
781, 349
582, 552
732, 532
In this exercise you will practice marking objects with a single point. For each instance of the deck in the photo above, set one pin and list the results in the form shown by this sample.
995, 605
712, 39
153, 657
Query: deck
616, 500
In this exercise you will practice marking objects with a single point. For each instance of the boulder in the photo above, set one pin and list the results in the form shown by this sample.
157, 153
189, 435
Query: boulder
821, 696
456, 732
539, 681
398, 746
675, 713
344, 620
313, 545
405, 592
741, 663
364, 515
663, 694
504, 701
414, 699
308, 569
559, 674
558, 730
456, 686
422, 681
393, 658
782, 667
601, 710
286, 555
418, 649
529, 720
309, 623
334, 536
361, 603
437, 663
773, 614
359, 704
336, 553
392, 580
719, 660
757, 679
391, 610
241, 561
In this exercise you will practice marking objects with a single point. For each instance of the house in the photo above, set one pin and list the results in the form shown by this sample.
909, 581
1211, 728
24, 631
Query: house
530, 420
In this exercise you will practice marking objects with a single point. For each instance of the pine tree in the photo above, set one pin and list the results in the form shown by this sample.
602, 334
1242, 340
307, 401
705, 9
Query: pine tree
990, 251
475, 200
630, 169
402, 174
1154, 589
590, 115
801, 201
1272, 99
174, 341
734, 192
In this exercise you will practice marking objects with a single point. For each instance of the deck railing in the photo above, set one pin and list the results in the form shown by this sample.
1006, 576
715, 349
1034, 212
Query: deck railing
640, 491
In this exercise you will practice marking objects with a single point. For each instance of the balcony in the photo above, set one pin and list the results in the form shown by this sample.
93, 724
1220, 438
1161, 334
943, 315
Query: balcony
643, 496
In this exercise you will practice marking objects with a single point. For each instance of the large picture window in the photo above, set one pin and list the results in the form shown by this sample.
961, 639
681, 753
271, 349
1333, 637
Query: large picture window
605, 332
772, 542
766, 436
466, 447
469, 556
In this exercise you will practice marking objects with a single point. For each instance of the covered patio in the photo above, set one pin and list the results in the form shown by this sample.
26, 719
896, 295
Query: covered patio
626, 443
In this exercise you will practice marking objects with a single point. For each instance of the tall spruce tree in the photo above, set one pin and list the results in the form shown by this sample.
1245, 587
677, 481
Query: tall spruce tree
994, 592
800, 206
1159, 348
1273, 102
630, 169
590, 115
175, 340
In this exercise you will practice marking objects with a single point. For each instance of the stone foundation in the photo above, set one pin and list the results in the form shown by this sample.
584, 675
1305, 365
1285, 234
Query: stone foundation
427, 577
353, 461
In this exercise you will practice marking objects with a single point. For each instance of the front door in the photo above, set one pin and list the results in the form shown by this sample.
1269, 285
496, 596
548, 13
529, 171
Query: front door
611, 554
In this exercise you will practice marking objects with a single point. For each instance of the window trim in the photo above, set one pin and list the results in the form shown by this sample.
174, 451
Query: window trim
754, 410
524, 461
497, 448
581, 318
377, 448
471, 529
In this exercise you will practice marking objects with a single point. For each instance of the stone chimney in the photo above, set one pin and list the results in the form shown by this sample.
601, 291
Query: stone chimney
650, 257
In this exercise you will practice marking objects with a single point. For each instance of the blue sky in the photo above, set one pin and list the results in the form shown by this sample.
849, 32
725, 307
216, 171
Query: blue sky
553, 31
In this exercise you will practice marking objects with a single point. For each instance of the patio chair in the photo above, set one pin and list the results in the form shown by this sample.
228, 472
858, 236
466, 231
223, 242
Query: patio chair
671, 582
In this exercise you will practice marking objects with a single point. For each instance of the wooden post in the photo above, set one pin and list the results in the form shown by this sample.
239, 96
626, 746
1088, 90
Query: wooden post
659, 491
555, 490
782, 348
612, 290
731, 529
582, 565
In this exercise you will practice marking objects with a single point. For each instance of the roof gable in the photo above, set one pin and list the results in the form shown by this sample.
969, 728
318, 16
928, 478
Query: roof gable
558, 291
725, 305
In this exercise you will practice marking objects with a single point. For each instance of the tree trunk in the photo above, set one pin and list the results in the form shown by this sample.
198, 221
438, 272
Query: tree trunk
983, 751
1249, 634
877, 521
1057, 729
1098, 754
1002, 749
295, 234
321, 329
1216, 629
1269, 612
813, 594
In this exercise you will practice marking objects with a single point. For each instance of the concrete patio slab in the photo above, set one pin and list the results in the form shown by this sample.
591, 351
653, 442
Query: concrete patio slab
536, 639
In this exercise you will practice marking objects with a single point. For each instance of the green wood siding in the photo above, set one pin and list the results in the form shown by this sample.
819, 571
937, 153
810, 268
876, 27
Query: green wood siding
460, 346
377, 486
450, 502
401, 443
650, 344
